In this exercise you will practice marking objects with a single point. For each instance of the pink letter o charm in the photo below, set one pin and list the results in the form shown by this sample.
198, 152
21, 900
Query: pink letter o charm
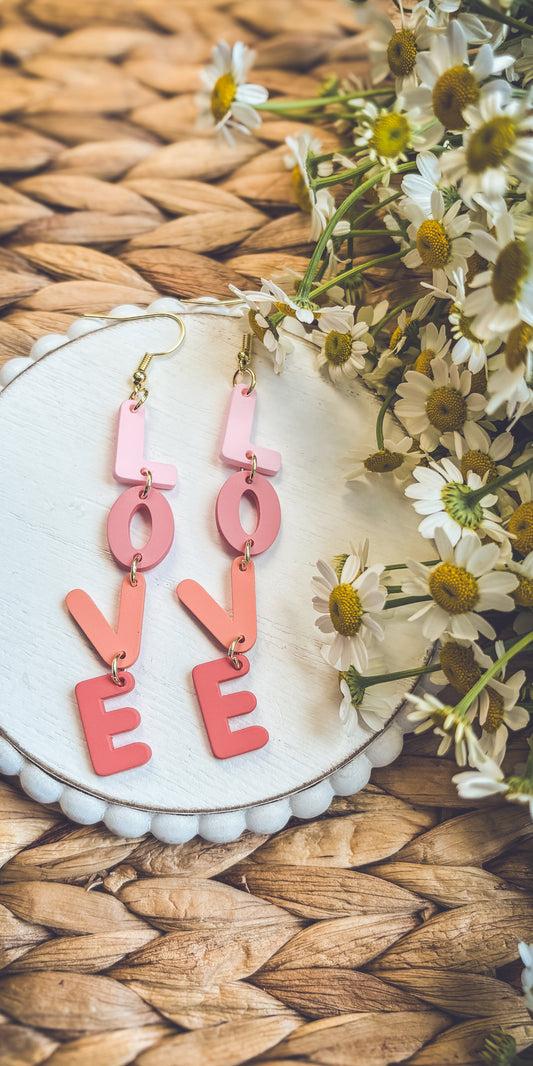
118, 528
268, 512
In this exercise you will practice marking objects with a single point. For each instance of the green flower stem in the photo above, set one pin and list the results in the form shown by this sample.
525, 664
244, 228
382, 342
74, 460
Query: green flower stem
402, 601
477, 494
496, 667
379, 421
403, 566
374, 233
376, 207
317, 101
353, 271
392, 314
479, 8
340, 177
376, 679
307, 280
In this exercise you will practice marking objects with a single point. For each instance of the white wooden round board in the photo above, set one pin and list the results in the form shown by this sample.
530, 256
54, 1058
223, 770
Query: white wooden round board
57, 435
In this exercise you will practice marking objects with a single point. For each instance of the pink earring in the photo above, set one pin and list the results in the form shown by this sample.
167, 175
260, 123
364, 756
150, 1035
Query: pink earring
238, 630
120, 647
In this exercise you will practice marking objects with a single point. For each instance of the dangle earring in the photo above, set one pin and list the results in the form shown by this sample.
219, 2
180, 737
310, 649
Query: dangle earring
120, 647
237, 632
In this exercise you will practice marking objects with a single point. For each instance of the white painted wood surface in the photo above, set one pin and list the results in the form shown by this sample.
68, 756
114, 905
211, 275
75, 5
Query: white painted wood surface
57, 430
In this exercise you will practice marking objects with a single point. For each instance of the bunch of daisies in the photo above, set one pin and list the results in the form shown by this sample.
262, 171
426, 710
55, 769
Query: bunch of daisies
432, 182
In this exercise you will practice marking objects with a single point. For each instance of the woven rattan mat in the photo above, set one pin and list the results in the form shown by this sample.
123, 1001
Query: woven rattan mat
385, 931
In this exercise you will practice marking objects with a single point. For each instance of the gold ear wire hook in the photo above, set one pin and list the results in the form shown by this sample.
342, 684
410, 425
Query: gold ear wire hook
140, 393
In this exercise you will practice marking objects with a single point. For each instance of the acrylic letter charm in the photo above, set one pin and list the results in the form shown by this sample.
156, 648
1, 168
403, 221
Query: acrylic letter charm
118, 528
106, 640
217, 709
237, 448
100, 726
129, 460
223, 626
268, 512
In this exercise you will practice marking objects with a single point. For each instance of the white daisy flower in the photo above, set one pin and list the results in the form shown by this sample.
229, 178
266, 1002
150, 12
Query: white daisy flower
520, 522
486, 780
449, 84
497, 146
395, 458
476, 451
447, 723
523, 593
419, 188
498, 712
526, 954
435, 406
473, 27
442, 495
467, 348
394, 51
501, 296
320, 204
433, 345
341, 351
387, 135
462, 664
289, 305
345, 607
228, 102
365, 710
462, 586
509, 372
438, 240
259, 305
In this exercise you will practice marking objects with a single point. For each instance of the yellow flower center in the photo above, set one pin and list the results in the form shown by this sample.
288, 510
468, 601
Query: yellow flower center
398, 334
453, 588
338, 347
300, 189
521, 524
433, 244
391, 136
446, 408
480, 463
459, 666
490, 143
495, 712
254, 325
346, 610
509, 272
523, 593
222, 96
383, 461
453, 91
401, 53
462, 326
517, 344
423, 363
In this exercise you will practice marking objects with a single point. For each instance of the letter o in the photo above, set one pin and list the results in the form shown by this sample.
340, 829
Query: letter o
118, 528
268, 512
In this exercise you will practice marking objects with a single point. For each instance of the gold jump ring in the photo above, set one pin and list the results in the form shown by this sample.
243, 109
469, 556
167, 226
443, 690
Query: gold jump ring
235, 661
114, 669
148, 486
133, 570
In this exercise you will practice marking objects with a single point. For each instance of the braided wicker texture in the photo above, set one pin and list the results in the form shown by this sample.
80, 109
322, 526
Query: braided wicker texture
385, 931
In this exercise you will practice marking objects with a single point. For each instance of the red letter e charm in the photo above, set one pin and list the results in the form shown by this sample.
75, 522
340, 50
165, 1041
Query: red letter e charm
101, 726
216, 709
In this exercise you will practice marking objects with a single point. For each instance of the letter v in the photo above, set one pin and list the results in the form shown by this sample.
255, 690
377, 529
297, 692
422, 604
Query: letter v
225, 627
107, 641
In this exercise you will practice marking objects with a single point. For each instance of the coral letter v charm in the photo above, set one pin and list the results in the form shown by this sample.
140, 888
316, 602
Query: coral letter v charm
222, 626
